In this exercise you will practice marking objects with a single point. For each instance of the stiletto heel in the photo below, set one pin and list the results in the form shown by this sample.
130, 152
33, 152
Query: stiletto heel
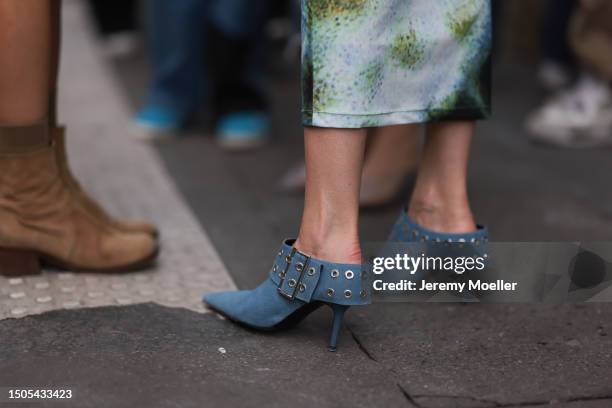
17, 262
296, 286
339, 311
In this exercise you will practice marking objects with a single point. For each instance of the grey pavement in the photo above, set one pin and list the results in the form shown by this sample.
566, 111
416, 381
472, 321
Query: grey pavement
413, 355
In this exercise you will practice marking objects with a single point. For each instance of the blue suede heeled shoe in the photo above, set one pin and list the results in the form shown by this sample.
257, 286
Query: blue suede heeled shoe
297, 285
407, 230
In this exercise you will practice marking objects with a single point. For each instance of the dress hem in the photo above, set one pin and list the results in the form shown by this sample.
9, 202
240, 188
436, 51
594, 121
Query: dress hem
355, 121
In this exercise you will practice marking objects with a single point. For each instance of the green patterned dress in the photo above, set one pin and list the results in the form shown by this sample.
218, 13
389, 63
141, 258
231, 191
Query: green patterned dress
368, 63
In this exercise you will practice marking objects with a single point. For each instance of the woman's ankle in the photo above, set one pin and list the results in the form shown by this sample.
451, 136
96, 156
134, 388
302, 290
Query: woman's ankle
337, 248
443, 217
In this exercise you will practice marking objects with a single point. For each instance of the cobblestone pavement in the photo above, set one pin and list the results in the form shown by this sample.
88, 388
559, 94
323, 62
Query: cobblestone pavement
130, 181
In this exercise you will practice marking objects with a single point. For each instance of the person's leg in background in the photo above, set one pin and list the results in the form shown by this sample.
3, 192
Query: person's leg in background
557, 66
581, 115
176, 33
392, 155
239, 102
116, 24
39, 215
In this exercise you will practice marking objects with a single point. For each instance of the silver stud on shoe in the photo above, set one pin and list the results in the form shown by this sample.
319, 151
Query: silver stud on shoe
335, 273
299, 267
301, 287
330, 292
349, 274
292, 283
311, 271
348, 294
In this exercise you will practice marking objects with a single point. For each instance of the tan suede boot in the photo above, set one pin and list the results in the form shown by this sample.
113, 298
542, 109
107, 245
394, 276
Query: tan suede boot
59, 139
40, 219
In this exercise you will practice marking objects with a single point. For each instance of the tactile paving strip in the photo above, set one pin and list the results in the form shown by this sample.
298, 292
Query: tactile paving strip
129, 180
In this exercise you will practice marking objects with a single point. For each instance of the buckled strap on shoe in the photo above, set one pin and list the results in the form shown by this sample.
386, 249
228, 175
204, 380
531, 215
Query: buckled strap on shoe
298, 276
24, 138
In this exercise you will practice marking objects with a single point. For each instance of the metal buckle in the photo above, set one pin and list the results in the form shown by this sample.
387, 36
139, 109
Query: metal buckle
288, 260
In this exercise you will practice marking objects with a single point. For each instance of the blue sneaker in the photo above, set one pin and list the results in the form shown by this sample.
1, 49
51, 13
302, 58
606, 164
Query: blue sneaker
297, 285
154, 121
243, 130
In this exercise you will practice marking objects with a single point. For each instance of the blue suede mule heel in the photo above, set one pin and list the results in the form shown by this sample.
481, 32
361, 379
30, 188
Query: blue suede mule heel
407, 230
297, 285
418, 240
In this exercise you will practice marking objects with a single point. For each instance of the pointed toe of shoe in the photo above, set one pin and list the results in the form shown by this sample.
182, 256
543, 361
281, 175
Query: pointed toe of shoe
232, 305
223, 302
260, 308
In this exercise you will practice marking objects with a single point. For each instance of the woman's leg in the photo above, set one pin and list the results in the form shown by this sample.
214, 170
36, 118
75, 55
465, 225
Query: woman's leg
329, 229
392, 149
328, 243
176, 38
440, 200
24, 60
43, 214
392, 153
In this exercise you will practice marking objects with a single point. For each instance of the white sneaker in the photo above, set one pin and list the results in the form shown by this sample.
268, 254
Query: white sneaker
580, 117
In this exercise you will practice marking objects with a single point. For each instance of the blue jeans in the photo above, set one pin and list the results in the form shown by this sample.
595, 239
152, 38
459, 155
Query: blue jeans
178, 43
555, 28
